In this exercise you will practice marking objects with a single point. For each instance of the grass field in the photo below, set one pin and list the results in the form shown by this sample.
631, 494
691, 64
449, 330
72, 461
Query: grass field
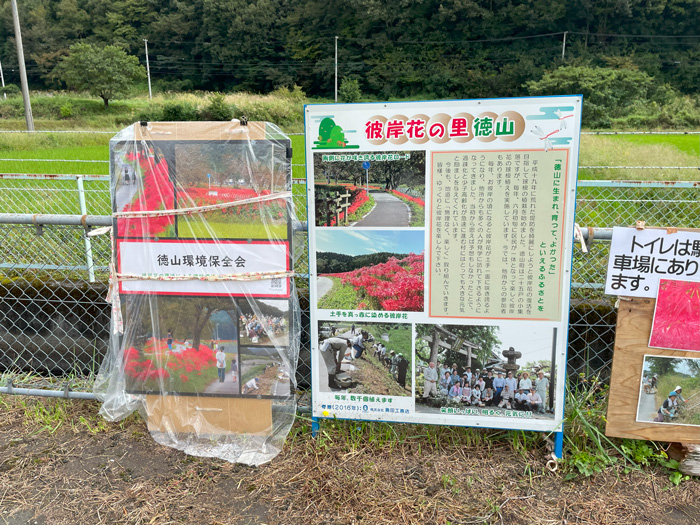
596, 207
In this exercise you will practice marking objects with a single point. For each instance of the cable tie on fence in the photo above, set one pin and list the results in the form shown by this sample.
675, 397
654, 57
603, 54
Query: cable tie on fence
671, 229
578, 236
99, 231
641, 225
201, 209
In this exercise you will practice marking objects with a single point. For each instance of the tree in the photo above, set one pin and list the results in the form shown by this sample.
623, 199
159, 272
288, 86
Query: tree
106, 72
350, 90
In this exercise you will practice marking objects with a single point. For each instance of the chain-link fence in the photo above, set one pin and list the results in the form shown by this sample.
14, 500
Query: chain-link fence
54, 321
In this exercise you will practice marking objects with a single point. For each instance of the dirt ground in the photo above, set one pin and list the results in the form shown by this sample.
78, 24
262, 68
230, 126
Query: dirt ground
61, 464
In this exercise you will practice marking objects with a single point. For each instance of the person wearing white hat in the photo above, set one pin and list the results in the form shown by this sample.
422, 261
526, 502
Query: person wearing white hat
679, 397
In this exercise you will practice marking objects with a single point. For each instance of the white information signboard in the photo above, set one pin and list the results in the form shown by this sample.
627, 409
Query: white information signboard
440, 239
176, 258
639, 258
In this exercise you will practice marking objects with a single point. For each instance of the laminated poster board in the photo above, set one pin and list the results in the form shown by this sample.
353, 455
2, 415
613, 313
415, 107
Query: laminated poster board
176, 330
656, 273
441, 232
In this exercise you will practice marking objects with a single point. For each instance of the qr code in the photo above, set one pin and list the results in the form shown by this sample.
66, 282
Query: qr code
276, 284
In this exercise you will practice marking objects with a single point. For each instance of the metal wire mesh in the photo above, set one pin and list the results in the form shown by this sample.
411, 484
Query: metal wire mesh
54, 321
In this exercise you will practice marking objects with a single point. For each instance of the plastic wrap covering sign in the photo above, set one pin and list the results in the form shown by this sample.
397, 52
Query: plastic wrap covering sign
205, 318
440, 256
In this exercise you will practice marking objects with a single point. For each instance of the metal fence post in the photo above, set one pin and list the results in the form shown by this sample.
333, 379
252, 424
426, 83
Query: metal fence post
88, 244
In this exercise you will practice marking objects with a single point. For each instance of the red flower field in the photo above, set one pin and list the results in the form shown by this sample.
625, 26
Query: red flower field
395, 285
677, 316
157, 362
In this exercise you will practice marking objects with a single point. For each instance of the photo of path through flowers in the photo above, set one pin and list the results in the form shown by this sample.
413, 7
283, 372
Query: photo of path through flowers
175, 352
370, 189
144, 184
370, 270
191, 175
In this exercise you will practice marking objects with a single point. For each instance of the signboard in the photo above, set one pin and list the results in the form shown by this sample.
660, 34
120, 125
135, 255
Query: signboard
440, 278
656, 360
199, 209
639, 258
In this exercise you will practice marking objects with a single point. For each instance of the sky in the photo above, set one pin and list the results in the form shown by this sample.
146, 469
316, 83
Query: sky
362, 242
532, 340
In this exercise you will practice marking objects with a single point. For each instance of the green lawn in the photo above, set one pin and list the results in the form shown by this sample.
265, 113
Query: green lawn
341, 297
200, 229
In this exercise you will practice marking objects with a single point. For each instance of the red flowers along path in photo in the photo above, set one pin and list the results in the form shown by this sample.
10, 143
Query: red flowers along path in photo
416, 200
396, 285
677, 316
158, 195
157, 362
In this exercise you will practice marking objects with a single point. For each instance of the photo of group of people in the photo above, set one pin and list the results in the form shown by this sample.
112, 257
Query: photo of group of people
499, 366
365, 358
194, 346
669, 391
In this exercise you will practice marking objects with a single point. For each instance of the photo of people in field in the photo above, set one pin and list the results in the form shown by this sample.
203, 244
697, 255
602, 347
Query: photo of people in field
365, 358
370, 269
184, 345
264, 322
363, 190
264, 372
506, 367
220, 172
669, 391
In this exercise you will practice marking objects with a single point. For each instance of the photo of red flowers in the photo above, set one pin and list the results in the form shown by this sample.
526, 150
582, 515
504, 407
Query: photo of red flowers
190, 345
143, 183
376, 189
166, 175
370, 270
677, 316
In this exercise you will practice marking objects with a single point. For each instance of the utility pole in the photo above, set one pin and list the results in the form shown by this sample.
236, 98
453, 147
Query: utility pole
2, 80
148, 71
336, 68
22, 70
563, 47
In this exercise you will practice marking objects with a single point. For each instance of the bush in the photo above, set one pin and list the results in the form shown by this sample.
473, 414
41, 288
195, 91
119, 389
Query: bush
66, 110
350, 90
217, 108
10, 90
150, 114
178, 112
607, 93
296, 94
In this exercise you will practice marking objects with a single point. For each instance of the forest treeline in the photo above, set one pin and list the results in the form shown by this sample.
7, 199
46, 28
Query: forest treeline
329, 262
403, 49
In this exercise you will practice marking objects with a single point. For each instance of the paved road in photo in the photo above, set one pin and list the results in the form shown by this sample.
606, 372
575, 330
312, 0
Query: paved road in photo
647, 407
323, 286
389, 211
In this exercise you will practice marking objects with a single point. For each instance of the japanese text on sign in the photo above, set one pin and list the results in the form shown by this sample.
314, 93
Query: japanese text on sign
639, 258
506, 208
163, 260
